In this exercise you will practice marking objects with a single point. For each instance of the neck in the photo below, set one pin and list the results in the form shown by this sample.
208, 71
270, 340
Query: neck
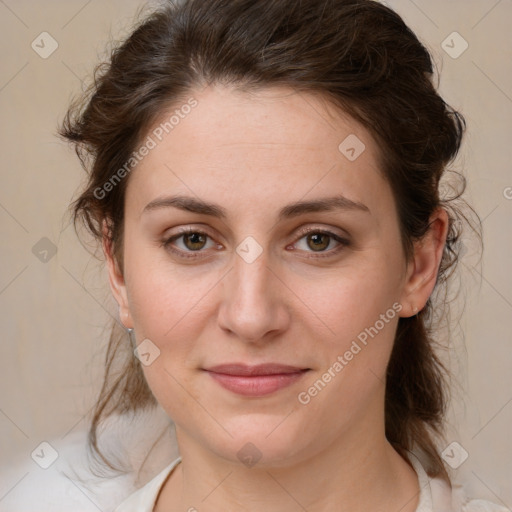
358, 472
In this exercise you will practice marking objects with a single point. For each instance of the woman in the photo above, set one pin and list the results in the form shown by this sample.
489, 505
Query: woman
264, 181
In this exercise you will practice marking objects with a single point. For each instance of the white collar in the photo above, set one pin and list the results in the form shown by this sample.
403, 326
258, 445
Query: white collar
435, 493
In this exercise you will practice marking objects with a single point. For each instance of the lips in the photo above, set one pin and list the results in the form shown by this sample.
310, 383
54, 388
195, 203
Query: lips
255, 381
260, 369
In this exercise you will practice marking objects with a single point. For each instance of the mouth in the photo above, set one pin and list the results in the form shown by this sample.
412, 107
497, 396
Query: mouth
255, 381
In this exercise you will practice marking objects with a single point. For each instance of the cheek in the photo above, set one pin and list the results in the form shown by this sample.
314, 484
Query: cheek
361, 310
168, 308
363, 315
353, 297
164, 296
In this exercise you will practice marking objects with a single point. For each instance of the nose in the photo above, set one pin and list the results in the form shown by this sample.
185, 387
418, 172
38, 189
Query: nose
254, 307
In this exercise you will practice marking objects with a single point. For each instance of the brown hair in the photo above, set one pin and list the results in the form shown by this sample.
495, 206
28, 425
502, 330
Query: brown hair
357, 54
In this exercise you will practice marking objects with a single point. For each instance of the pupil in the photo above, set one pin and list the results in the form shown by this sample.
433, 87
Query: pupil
317, 238
195, 238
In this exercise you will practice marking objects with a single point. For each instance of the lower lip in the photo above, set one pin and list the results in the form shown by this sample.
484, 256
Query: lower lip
256, 385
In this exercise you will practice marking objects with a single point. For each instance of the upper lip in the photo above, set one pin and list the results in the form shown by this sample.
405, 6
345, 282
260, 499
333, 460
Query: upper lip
259, 369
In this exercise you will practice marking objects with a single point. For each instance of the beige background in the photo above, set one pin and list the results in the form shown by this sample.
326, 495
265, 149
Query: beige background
54, 313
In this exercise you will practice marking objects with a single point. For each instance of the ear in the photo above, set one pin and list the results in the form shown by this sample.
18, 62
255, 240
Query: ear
116, 278
421, 275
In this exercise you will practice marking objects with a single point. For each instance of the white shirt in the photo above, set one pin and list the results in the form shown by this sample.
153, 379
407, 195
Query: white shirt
435, 494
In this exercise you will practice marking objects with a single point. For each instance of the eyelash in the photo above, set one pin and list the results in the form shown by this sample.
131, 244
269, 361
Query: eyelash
167, 243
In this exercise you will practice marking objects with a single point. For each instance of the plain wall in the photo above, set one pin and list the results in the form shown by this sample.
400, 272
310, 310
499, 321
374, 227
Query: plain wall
54, 313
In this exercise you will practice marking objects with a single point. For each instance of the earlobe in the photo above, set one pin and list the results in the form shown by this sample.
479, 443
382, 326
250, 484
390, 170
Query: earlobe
423, 268
116, 278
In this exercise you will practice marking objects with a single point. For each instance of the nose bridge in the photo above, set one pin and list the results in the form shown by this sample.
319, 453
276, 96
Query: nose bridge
251, 274
250, 306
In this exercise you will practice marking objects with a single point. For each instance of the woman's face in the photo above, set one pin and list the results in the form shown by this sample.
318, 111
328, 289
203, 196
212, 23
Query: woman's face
293, 257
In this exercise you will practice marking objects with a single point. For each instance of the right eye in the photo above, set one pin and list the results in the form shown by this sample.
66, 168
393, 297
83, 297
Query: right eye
191, 241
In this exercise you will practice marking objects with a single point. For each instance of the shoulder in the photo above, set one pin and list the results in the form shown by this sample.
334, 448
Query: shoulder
438, 496
56, 478
144, 499
461, 502
455, 499
483, 506
60, 475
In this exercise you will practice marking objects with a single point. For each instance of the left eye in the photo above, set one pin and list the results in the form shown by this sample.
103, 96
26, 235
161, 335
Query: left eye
319, 241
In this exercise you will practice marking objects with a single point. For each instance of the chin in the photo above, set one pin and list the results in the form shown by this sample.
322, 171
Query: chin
260, 441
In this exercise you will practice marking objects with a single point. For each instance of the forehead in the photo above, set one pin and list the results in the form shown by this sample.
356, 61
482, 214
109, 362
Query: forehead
267, 146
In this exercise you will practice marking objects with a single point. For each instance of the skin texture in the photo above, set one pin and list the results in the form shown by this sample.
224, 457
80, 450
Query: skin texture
253, 154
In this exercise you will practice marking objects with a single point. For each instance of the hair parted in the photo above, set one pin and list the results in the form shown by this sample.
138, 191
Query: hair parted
357, 54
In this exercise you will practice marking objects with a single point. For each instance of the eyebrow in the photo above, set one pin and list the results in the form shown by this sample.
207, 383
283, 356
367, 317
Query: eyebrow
202, 207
